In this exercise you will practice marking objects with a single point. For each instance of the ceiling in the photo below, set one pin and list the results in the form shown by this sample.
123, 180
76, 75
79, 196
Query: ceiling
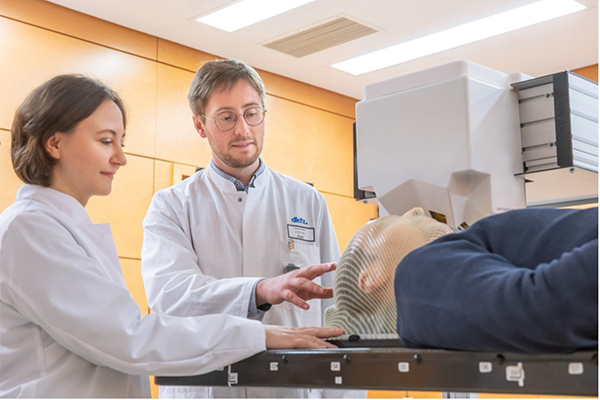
567, 42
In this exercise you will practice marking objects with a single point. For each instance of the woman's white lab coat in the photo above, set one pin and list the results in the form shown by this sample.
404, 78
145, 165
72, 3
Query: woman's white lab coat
68, 325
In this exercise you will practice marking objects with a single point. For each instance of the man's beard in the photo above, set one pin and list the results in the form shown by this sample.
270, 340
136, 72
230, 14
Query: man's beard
233, 162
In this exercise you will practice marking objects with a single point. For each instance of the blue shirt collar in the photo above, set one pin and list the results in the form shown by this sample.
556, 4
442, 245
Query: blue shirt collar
239, 186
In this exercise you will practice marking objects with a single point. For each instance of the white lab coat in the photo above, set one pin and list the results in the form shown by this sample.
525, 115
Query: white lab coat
206, 244
68, 325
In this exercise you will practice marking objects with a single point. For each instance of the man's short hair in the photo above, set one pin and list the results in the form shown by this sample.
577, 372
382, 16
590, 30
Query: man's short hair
222, 75
56, 106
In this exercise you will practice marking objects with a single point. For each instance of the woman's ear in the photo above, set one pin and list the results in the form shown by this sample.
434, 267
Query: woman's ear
52, 145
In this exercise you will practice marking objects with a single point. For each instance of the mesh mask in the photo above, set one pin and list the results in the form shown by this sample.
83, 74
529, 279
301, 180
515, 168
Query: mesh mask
364, 279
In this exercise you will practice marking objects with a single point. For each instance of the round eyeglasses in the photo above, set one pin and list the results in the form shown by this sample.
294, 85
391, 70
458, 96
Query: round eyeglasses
226, 120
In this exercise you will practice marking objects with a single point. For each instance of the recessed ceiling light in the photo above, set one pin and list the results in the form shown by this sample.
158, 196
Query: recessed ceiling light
468, 33
248, 12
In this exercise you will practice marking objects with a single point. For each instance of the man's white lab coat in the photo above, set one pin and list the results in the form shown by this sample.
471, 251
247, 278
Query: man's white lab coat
206, 244
68, 325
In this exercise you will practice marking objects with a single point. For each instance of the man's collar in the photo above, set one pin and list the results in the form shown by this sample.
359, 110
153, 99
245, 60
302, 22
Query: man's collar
239, 186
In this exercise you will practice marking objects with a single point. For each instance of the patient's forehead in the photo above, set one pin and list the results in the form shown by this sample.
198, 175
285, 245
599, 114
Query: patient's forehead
418, 223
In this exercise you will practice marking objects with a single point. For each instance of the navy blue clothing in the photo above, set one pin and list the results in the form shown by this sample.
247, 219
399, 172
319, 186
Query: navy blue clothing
523, 281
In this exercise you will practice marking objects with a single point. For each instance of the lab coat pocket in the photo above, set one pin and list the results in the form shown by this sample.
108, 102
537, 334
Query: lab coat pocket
301, 255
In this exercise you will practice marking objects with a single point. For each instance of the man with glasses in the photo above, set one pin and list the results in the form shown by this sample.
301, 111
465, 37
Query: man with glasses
237, 237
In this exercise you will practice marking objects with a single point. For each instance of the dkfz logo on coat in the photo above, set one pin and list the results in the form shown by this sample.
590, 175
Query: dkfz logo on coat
299, 221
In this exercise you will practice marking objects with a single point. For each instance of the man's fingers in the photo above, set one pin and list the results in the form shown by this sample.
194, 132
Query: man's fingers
327, 293
309, 287
313, 271
295, 287
293, 298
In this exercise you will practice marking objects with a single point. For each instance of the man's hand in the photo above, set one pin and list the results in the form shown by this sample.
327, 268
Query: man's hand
281, 337
295, 287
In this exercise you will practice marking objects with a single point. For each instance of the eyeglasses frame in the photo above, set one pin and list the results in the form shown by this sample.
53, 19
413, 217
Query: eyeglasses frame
264, 111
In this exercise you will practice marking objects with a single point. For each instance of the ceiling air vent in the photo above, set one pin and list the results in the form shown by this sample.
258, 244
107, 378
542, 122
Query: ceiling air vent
324, 36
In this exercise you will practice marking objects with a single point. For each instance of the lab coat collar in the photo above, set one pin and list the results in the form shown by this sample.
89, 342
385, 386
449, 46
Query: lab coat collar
227, 183
58, 201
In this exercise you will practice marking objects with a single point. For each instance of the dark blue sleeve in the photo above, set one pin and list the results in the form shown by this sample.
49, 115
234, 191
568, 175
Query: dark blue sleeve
524, 281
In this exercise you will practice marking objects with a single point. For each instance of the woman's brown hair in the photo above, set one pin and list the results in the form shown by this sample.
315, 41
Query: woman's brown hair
56, 106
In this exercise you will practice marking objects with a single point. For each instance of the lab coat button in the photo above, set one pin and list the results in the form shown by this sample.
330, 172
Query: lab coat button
240, 199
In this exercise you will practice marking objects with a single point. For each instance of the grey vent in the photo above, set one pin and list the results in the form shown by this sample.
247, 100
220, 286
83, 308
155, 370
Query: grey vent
329, 34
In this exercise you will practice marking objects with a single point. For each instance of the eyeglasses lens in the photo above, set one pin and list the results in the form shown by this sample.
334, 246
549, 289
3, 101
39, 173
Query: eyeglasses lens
227, 120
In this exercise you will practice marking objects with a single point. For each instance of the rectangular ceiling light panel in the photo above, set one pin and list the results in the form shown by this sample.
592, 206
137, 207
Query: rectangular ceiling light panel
248, 12
468, 33
324, 36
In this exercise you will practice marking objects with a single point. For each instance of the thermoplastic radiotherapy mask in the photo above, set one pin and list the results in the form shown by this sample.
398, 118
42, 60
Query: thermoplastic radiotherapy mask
364, 280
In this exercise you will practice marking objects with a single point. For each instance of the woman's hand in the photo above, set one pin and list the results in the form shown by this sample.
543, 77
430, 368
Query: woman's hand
282, 337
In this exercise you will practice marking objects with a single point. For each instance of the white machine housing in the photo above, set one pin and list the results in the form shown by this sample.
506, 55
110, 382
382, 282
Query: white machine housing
559, 135
446, 139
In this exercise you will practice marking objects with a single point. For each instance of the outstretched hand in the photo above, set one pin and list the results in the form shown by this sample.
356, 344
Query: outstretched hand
281, 337
295, 287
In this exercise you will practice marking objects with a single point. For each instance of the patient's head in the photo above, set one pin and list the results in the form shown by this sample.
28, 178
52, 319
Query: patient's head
364, 281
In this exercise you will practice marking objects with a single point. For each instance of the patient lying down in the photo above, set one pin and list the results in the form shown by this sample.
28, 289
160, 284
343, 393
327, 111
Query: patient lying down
521, 281
364, 283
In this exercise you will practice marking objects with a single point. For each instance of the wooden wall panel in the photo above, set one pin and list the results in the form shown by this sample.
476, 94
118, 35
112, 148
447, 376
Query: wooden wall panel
181, 172
276, 85
424, 395
348, 215
132, 272
64, 20
309, 144
126, 206
33, 55
176, 137
182, 56
153, 388
167, 174
290, 89
163, 175
590, 72
9, 182
386, 394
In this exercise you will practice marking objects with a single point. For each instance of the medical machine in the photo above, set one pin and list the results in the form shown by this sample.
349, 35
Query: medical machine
559, 139
462, 142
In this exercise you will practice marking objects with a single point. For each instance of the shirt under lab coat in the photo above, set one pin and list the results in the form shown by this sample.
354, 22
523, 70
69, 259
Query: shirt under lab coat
206, 244
68, 325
